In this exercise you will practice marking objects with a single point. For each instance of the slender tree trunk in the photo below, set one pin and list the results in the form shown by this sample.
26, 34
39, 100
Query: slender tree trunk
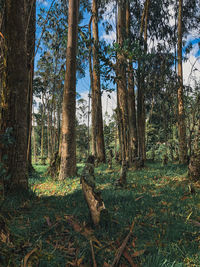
30, 37
141, 88
58, 125
15, 91
54, 129
48, 133
123, 117
181, 112
91, 90
51, 130
42, 130
68, 147
2, 48
94, 151
131, 97
97, 120
34, 141
59, 109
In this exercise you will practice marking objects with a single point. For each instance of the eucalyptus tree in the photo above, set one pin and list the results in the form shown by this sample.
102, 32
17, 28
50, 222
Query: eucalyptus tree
68, 145
15, 90
133, 133
98, 146
122, 109
181, 112
30, 40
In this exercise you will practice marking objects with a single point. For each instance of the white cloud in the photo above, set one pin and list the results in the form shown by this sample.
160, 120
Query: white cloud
109, 103
44, 2
109, 38
191, 68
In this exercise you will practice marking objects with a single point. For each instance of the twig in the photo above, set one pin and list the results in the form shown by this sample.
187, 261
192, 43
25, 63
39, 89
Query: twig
44, 27
93, 255
123, 245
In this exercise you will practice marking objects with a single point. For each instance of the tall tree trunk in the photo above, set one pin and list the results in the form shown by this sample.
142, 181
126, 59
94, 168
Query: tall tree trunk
2, 48
48, 133
34, 141
131, 96
58, 125
91, 90
68, 146
141, 88
97, 120
181, 112
123, 117
42, 130
30, 37
15, 91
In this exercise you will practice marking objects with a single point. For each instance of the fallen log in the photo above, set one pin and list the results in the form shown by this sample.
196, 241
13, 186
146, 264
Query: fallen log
92, 195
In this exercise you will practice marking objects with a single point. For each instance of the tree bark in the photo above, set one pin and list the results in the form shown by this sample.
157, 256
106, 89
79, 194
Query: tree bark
42, 130
34, 140
97, 120
15, 92
122, 110
93, 137
30, 37
181, 112
141, 88
131, 97
68, 146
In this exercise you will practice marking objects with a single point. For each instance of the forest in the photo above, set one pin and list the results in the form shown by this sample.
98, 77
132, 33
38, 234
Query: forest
100, 133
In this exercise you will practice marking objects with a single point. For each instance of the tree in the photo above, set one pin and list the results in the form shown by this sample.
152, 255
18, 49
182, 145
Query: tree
141, 87
97, 121
30, 38
68, 145
15, 90
131, 95
122, 107
181, 112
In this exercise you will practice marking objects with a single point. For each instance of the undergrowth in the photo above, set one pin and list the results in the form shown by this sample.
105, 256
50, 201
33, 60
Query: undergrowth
50, 225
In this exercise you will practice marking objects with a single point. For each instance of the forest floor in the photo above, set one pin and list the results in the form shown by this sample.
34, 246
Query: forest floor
49, 226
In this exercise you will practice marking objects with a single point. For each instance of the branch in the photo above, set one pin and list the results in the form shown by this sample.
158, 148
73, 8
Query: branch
193, 67
43, 29
123, 245
93, 255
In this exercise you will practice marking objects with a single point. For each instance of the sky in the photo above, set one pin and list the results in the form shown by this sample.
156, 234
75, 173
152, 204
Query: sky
109, 102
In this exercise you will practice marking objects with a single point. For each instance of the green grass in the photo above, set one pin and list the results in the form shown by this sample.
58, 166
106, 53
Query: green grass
156, 198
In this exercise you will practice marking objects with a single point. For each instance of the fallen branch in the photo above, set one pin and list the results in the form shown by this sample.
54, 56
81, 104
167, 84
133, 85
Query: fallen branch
195, 223
121, 249
93, 255
127, 256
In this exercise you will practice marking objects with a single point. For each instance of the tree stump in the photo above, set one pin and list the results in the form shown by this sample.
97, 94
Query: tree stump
194, 167
165, 160
92, 196
123, 173
138, 163
54, 167
110, 157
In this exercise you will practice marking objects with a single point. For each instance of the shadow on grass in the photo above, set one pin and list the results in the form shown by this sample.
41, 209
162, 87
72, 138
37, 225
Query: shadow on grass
156, 203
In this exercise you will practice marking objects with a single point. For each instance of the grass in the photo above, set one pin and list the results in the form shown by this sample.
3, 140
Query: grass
50, 226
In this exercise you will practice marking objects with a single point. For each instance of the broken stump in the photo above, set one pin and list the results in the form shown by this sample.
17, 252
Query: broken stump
92, 195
